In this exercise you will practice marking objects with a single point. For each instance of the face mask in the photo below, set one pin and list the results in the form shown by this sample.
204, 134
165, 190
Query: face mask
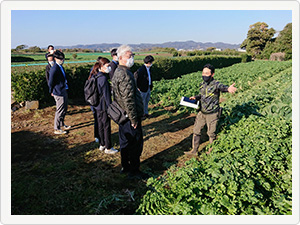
107, 70
206, 79
51, 63
60, 62
130, 62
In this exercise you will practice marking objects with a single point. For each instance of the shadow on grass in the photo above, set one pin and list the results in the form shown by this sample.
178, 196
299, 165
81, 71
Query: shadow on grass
49, 178
165, 159
171, 124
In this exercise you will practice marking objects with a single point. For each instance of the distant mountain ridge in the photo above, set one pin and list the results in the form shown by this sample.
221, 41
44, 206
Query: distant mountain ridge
185, 45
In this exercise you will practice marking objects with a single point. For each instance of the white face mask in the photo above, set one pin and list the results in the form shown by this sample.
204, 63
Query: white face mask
60, 62
130, 62
51, 63
107, 70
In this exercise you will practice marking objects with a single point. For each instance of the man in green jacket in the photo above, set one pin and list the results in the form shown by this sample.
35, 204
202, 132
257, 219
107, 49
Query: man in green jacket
209, 96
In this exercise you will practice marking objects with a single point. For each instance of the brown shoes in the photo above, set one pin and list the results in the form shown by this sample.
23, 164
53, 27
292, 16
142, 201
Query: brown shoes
191, 153
209, 151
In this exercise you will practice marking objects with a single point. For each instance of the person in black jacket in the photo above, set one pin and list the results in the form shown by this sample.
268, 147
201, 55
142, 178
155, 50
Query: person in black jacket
114, 63
104, 127
50, 64
58, 87
144, 82
50, 51
130, 100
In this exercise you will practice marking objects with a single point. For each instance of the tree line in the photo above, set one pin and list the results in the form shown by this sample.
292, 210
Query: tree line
36, 49
261, 43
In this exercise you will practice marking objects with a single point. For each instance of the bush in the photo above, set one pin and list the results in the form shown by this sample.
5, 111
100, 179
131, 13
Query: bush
245, 58
21, 59
31, 85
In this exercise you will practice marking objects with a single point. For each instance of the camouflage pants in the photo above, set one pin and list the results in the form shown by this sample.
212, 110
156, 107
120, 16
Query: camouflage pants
211, 120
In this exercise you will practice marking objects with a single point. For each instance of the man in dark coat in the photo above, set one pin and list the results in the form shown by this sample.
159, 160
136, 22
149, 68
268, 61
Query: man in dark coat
129, 98
144, 82
114, 63
58, 88
50, 64
50, 50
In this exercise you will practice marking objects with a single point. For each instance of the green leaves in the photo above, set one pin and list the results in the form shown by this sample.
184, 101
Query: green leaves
249, 171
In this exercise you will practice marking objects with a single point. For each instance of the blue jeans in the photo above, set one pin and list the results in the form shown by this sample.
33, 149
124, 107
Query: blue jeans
146, 99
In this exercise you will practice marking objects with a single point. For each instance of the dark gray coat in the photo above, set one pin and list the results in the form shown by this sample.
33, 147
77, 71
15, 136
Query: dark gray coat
126, 93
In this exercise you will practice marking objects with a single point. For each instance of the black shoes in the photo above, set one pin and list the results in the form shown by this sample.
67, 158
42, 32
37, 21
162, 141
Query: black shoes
138, 175
124, 170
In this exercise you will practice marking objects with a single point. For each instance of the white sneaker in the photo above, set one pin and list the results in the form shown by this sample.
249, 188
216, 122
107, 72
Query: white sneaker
60, 132
101, 148
111, 151
66, 127
97, 140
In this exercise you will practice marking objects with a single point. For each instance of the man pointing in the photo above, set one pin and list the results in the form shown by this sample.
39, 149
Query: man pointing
209, 96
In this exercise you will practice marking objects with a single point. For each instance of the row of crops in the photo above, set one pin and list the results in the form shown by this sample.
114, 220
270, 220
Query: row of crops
249, 171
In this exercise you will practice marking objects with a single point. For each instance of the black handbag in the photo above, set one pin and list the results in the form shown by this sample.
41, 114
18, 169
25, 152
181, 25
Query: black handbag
116, 113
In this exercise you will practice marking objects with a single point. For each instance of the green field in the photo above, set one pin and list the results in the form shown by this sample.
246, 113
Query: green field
249, 171
39, 58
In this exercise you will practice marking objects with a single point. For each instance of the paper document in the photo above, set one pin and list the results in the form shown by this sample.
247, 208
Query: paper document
189, 103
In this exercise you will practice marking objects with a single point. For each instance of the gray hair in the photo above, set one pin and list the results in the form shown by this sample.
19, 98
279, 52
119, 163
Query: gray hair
123, 49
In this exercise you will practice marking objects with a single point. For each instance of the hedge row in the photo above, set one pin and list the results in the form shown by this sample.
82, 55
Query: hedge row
32, 85
169, 68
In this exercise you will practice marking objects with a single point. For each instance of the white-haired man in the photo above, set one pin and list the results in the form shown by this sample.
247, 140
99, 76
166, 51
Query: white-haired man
129, 98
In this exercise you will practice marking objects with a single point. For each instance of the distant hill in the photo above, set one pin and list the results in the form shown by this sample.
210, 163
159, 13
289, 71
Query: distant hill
186, 45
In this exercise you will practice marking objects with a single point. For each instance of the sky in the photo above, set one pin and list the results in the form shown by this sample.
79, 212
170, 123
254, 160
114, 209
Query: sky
71, 27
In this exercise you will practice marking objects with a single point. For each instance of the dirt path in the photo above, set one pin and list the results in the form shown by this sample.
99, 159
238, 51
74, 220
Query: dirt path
73, 165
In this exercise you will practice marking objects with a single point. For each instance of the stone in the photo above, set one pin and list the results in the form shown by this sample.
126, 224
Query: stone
32, 104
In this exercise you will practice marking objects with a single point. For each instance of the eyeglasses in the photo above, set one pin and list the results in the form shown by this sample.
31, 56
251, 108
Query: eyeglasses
131, 55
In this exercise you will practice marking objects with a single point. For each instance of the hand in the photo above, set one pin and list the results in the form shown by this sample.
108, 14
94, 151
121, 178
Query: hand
52, 94
193, 98
232, 89
134, 125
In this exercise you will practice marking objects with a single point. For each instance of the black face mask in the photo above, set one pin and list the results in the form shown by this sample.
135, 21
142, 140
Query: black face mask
206, 79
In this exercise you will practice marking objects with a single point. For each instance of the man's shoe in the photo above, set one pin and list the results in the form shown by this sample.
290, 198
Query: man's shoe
124, 170
111, 151
209, 151
138, 175
191, 153
101, 148
66, 127
60, 132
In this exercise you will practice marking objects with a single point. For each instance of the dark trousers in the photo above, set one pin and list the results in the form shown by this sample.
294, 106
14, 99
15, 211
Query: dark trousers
104, 128
96, 128
131, 145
